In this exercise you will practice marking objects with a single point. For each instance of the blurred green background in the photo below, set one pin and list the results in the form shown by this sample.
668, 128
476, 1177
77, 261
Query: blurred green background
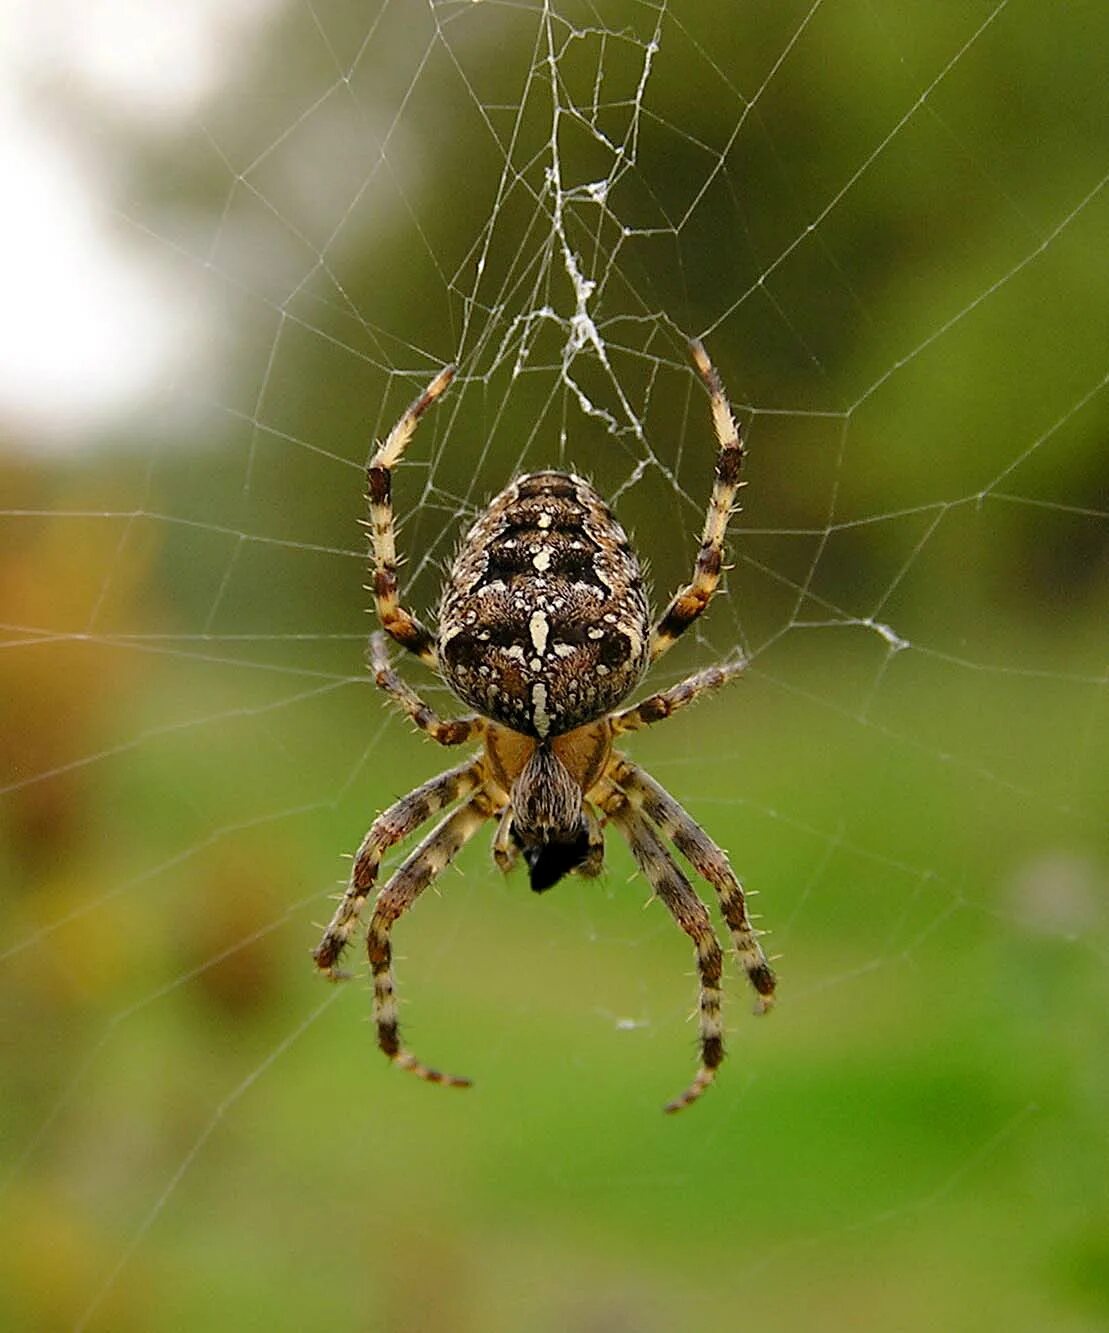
888, 223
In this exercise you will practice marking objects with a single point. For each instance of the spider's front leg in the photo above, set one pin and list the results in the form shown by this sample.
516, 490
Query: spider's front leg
692, 916
430, 859
395, 619
389, 828
709, 860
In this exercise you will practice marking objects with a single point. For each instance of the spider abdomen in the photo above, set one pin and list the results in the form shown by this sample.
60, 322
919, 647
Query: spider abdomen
544, 623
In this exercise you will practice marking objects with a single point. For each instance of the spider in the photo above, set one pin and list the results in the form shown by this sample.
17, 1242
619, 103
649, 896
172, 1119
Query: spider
544, 628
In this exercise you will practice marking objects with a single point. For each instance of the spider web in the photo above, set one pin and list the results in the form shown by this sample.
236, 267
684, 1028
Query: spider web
884, 224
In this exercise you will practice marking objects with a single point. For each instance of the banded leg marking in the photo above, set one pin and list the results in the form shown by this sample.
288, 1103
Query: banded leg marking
689, 602
446, 731
709, 861
432, 856
659, 706
389, 828
395, 619
692, 916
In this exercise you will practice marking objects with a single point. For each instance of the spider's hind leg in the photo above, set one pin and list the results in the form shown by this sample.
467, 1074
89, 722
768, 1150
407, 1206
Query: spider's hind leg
397, 620
689, 602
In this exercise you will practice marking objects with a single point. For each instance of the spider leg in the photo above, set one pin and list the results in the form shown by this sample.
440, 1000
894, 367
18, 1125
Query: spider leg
395, 619
661, 705
389, 828
689, 602
449, 731
692, 916
709, 860
430, 859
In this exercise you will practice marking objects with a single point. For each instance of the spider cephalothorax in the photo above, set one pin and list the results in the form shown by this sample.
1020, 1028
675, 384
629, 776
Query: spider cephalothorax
544, 628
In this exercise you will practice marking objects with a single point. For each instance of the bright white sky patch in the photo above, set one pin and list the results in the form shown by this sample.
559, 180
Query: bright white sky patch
143, 57
88, 327
80, 334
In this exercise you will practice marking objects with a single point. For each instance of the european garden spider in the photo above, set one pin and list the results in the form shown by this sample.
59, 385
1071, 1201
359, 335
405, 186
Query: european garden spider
544, 628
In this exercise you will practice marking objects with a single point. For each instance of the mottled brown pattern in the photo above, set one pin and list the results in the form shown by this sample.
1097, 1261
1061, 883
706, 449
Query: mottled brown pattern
544, 622
544, 629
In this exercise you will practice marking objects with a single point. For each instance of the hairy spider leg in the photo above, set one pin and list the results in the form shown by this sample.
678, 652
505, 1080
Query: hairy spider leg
692, 916
445, 731
709, 861
389, 828
398, 622
689, 602
658, 707
430, 859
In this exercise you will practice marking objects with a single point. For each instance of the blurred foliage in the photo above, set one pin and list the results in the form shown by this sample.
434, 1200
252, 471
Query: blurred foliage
917, 1136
